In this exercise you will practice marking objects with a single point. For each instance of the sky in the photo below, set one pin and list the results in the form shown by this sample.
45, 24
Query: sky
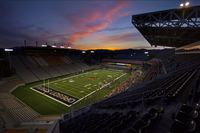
81, 24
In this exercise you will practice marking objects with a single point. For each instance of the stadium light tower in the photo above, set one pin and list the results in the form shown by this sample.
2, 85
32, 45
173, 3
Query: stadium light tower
8, 51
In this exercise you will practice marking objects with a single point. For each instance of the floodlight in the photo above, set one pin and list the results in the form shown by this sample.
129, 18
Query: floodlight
53, 46
187, 3
146, 52
69, 47
83, 52
91, 51
181, 5
44, 45
8, 50
62, 47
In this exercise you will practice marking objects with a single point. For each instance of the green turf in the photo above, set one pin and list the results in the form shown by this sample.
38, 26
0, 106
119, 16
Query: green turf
85, 83
77, 86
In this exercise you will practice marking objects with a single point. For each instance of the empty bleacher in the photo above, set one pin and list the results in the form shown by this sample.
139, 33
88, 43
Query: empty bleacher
7, 84
54, 60
22, 70
18, 111
34, 67
184, 59
186, 120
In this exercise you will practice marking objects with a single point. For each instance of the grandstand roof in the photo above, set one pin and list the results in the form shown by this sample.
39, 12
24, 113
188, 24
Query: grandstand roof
173, 28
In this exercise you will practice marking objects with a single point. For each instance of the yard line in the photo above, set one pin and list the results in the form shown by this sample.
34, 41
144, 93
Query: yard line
97, 89
87, 85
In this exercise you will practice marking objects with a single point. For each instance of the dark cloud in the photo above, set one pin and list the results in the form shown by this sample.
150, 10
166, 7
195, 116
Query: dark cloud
16, 36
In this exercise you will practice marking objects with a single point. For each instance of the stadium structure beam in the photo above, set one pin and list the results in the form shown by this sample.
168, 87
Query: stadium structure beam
174, 27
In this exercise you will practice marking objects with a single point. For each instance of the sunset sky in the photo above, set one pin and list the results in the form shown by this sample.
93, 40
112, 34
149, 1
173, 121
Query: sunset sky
84, 24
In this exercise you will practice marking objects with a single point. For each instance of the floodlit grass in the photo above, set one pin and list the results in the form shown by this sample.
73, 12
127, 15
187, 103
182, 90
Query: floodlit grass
77, 86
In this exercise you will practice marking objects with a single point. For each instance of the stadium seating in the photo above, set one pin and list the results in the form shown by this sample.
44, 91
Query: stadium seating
7, 84
184, 60
185, 120
6, 69
36, 67
53, 60
153, 71
23, 71
115, 122
18, 111
103, 122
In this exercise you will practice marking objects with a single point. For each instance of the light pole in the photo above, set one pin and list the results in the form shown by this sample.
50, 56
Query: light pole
184, 5
8, 50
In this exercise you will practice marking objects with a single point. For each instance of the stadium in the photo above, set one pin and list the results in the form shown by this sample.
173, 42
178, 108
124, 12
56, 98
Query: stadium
46, 88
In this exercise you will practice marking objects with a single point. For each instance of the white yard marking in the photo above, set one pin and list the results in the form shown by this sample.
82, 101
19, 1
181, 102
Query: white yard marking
110, 76
71, 81
87, 85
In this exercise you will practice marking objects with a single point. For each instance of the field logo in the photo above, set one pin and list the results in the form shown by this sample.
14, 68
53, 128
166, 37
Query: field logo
66, 99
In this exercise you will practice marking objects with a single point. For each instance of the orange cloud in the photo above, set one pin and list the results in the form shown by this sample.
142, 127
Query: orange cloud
92, 17
116, 10
89, 25
90, 29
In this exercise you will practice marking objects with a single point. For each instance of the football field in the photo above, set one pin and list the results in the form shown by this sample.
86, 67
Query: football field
68, 91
